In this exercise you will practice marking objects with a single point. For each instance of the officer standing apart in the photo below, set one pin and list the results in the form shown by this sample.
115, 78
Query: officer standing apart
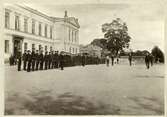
130, 59
25, 60
19, 59
147, 62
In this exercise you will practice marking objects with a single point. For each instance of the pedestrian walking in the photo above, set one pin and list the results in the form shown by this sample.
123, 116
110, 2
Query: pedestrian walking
147, 61
19, 57
130, 59
107, 61
25, 60
29, 61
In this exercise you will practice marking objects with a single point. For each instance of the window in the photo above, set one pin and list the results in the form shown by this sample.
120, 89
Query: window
33, 46
39, 29
50, 48
33, 26
46, 48
25, 46
17, 23
7, 19
51, 32
6, 46
40, 47
75, 36
25, 25
46, 31
76, 50
73, 50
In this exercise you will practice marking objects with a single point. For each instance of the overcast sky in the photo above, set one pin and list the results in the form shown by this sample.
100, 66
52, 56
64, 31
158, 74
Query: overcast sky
145, 20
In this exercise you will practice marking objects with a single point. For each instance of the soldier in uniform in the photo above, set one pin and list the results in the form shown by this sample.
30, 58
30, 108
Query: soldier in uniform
112, 59
37, 59
61, 60
19, 56
56, 59
25, 60
29, 61
130, 59
49, 60
46, 60
41, 59
53, 60
33, 60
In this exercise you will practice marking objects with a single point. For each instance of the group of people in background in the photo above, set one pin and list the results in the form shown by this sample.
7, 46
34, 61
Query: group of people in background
149, 59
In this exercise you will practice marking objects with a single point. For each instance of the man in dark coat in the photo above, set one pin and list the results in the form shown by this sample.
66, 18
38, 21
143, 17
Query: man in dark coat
49, 60
53, 60
112, 59
46, 60
147, 61
83, 60
130, 59
33, 60
61, 60
37, 59
56, 59
41, 59
29, 61
25, 60
19, 57
151, 59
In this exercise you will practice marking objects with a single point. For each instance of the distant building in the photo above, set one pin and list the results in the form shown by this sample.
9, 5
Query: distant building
91, 50
28, 29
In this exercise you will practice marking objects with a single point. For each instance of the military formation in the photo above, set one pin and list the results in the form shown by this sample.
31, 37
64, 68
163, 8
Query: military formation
39, 60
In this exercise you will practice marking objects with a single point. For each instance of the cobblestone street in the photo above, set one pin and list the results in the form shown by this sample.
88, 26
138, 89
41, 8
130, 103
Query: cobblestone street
89, 90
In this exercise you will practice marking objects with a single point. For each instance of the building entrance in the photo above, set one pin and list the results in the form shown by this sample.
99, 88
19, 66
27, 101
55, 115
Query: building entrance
17, 41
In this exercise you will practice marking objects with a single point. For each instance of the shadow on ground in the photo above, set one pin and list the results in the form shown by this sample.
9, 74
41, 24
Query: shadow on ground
64, 104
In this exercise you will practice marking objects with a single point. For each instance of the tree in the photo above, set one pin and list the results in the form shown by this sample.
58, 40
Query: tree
117, 35
100, 42
158, 54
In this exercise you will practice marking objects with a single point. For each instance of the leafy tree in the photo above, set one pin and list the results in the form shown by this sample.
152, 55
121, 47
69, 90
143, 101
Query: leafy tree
158, 54
100, 42
117, 35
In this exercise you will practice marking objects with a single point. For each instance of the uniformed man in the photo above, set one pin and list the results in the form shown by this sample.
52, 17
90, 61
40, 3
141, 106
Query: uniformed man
41, 59
19, 56
130, 59
49, 60
33, 59
56, 58
46, 60
37, 59
147, 61
112, 59
53, 60
25, 60
61, 60
83, 60
29, 61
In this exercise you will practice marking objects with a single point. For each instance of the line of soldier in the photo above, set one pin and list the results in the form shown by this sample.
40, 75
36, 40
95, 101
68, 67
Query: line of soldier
38, 61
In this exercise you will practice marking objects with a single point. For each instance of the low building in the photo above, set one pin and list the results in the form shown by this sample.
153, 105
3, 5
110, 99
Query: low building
91, 50
27, 29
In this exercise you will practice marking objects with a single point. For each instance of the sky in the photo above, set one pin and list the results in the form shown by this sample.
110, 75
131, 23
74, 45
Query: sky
145, 20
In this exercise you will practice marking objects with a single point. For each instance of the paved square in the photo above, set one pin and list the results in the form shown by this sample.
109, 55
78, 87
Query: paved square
89, 90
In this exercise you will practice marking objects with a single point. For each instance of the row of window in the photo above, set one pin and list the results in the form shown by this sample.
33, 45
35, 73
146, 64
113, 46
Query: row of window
73, 50
17, 25
72, 34
39, 47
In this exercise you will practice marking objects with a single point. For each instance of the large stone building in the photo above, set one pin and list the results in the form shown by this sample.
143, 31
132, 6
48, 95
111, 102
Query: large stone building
28, 29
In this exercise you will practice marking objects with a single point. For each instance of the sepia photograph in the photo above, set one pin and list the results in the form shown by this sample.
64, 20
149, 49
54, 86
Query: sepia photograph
84, 58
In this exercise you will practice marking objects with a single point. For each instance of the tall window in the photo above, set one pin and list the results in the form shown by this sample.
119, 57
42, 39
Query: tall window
25, 25
73, 50
40, 47
33, 26
7, 19
6, 46
76, 50
46, 31
25, 46
33, 47
39, 29
51, 32
46, 48
17, 22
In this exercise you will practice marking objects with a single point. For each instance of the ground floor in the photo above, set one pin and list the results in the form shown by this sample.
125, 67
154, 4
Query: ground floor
91, 90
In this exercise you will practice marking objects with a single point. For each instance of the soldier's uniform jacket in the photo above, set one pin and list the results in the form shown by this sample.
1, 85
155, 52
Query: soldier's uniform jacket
33, 56
25, 57
41, 57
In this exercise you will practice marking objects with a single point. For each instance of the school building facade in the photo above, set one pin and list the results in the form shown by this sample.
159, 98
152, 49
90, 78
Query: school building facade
28, 29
